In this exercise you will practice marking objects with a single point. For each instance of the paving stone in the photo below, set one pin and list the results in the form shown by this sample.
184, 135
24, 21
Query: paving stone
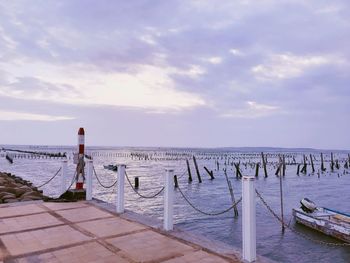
83, 214
49, 243
110, 226
20, 223
38, 240
149, 246
87, 253
61, 206
18, 210
197, 256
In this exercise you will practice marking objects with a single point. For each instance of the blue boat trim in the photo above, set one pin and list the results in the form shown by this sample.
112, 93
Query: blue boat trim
335, 211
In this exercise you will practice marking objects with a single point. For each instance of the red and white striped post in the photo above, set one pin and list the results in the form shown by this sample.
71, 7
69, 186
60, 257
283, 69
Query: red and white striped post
80, 166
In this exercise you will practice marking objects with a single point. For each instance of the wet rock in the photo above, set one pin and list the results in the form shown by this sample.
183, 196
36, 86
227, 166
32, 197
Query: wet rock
9, 196
19, 192
15, 189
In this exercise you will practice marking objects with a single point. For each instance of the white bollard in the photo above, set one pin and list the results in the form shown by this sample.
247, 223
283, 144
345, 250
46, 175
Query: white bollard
64, 165
249, 218
90, 168
168, 199
120, 188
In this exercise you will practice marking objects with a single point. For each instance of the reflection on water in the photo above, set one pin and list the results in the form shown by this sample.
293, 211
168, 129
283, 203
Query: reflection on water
326, 189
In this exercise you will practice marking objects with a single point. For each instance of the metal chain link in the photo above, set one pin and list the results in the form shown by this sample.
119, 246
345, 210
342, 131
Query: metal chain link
293, 230
70, 183
110, 197
206, 213
100, 183
141, 195
75, 174
50, 178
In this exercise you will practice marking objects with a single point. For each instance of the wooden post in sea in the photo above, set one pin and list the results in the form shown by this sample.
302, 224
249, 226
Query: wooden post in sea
197, 170
281, 197
304, 169
238, 172
210, 173
264, 163
278, 168
298, 169
176, 183
312, 164
231, 193
322, 164
137, 182
284, 165
257, 170
189, 171
337, 164
332, 162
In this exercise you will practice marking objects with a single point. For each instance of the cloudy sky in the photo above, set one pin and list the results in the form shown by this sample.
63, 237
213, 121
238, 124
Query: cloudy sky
199, 73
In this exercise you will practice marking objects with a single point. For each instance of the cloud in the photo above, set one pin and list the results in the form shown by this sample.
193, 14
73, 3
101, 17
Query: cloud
214, 60
236, 52
148, 39
284, 66
252, 110
147, 87
240, 59
21, 116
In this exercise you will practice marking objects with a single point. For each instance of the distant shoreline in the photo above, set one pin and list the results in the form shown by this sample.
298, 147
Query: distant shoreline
222, 149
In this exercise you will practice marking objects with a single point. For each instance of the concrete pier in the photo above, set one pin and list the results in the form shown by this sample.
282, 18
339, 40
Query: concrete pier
85, 232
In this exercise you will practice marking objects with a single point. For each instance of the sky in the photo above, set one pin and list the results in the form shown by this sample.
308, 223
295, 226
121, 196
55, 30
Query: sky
196, 73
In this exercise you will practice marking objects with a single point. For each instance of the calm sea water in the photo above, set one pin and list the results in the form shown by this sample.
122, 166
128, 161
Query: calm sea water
326, 189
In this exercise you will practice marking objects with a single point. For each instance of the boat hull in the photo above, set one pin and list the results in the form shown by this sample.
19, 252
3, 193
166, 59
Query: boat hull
323, 223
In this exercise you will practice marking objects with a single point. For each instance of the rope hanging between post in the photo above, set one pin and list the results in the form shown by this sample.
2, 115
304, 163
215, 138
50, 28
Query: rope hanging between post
100, 183
293, 230
50, 178
143, 196
72, 182
207, 213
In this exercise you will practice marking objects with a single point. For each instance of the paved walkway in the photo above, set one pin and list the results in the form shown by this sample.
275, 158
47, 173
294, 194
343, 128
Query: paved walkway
82, 232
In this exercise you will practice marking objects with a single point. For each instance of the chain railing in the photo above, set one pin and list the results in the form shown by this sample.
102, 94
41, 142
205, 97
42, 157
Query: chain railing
293, 230
103, 185
51, 178
141, 195
111, 194
72, 182
208, 213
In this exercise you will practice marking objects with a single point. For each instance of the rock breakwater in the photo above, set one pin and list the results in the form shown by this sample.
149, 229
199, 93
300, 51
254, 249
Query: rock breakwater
15, 189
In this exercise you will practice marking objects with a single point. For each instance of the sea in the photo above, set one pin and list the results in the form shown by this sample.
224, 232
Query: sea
329, 188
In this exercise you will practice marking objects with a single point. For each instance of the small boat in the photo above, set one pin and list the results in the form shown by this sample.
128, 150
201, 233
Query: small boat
111, 167
328, 221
